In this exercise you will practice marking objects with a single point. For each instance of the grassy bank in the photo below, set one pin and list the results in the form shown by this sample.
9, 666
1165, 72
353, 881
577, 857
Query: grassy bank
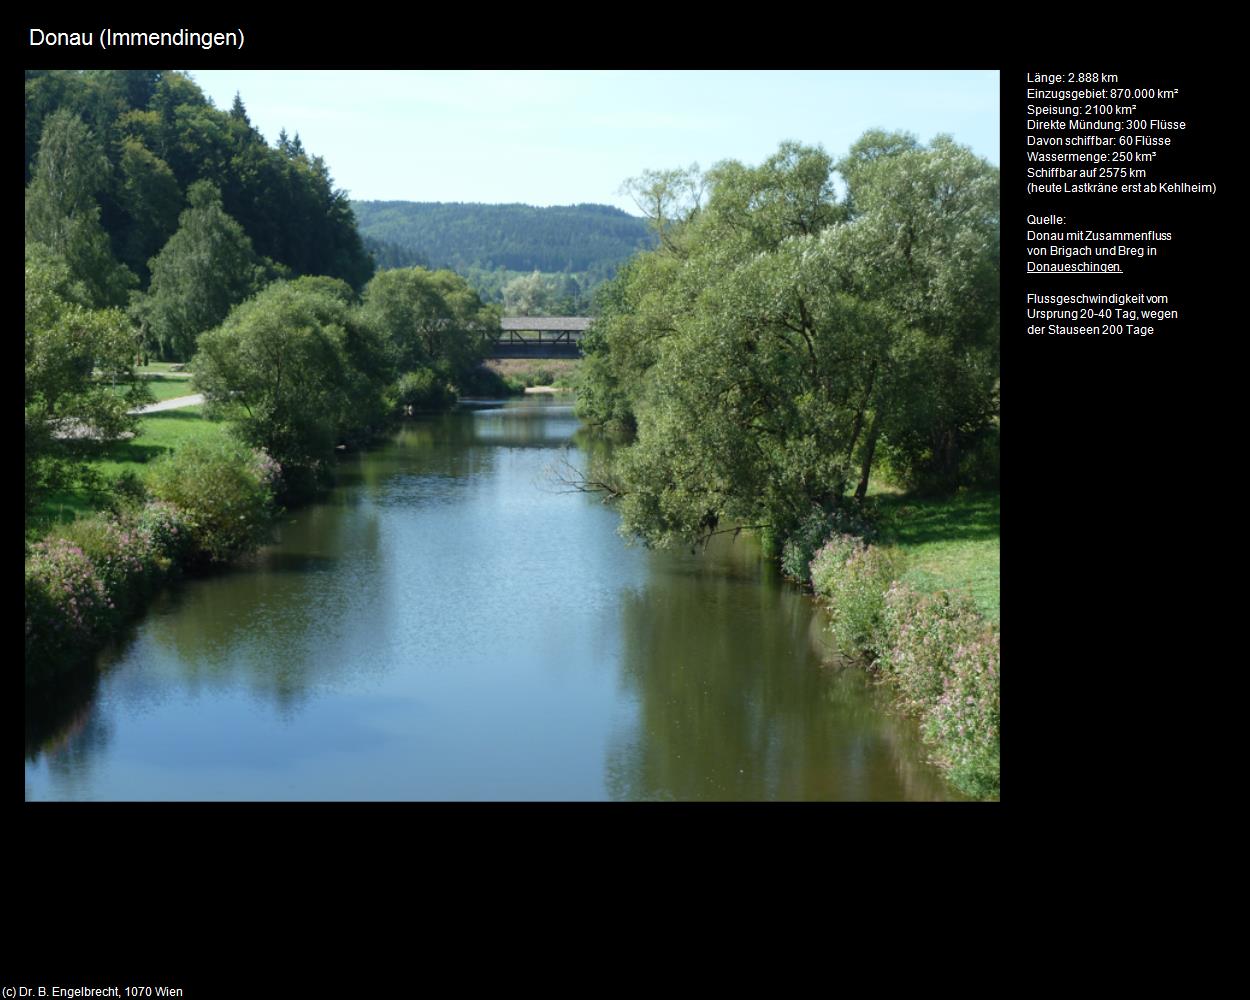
163, 387
946, 544
913, 594
159, 434
200, 503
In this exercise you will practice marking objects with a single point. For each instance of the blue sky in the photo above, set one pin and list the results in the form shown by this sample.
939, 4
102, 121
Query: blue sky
563, 137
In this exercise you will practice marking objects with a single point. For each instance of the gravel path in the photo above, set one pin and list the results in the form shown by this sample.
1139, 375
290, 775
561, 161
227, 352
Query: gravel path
171, 404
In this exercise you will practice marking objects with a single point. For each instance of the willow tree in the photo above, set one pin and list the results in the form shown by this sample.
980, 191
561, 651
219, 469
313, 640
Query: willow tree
298, 371
924, 241
776, 335
431, 320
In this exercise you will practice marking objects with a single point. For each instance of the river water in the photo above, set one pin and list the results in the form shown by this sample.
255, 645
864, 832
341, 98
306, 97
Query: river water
450, 624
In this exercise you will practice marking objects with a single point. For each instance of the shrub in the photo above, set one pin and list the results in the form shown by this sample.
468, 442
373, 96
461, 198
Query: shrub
484, 381
854, 518
129, 488
943, 657
167, 530
853, 577
797, 552
121, 556
423, 391
67, 606
828, 561
222, 491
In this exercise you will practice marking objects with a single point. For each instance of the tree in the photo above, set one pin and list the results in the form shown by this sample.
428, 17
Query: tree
207, 266
62, 212
430, 319
151, 199
924, 239
776, 338
529, 295
238, 111
68, 406
298, 371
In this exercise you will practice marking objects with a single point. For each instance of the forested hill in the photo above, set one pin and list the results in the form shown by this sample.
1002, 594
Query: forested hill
119, 151
590, 239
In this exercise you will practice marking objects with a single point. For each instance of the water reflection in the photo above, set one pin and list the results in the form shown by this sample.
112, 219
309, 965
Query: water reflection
448, 626
733, 701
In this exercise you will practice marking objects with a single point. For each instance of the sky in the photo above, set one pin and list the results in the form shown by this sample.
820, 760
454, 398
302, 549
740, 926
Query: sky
566, 137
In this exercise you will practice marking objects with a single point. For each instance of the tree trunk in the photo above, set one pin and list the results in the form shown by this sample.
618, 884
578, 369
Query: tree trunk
870, 448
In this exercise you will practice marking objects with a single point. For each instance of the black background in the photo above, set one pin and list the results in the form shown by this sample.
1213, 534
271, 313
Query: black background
1104, 439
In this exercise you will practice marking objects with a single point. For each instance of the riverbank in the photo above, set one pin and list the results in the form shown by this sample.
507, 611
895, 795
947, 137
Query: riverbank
199, 506
159, 434
522, 375
913, 594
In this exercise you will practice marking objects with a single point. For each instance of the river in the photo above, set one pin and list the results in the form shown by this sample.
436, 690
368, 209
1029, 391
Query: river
450, 624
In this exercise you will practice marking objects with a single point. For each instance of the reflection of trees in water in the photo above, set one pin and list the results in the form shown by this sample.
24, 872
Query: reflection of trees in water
535, 426
732, 703
283, 621
59, 713
452, 448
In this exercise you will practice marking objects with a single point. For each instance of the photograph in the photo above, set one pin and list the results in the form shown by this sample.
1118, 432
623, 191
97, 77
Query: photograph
510, 435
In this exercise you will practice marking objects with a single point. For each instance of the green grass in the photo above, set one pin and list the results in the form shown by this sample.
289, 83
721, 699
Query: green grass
164, 387
158, 367
947, 543
159, 434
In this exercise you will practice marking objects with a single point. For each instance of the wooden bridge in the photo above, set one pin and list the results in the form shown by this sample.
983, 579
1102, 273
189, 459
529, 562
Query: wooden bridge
540, 337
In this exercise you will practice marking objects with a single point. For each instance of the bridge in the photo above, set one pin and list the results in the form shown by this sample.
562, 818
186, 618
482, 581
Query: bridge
540, 337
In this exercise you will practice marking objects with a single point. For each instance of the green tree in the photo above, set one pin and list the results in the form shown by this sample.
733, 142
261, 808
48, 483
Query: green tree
776, 337
299, 372
924, 240
62, 212
430, 319
75, 357
529, 295
151, 200
207, 266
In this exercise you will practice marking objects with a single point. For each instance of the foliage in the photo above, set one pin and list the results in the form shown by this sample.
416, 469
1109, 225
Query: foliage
150, 201
222, 491
115, 550
776, 336
944, 659
423, 391
62, 212
82, 581
484, 381
925, 241
299, 371
207, 266
67, 605
430, 319
67, 406
817, 526
588, 239
147, 137
853, 577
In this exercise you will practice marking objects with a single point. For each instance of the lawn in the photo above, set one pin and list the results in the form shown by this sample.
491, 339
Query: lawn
948, 543
158, 434
160, 368
165, 387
